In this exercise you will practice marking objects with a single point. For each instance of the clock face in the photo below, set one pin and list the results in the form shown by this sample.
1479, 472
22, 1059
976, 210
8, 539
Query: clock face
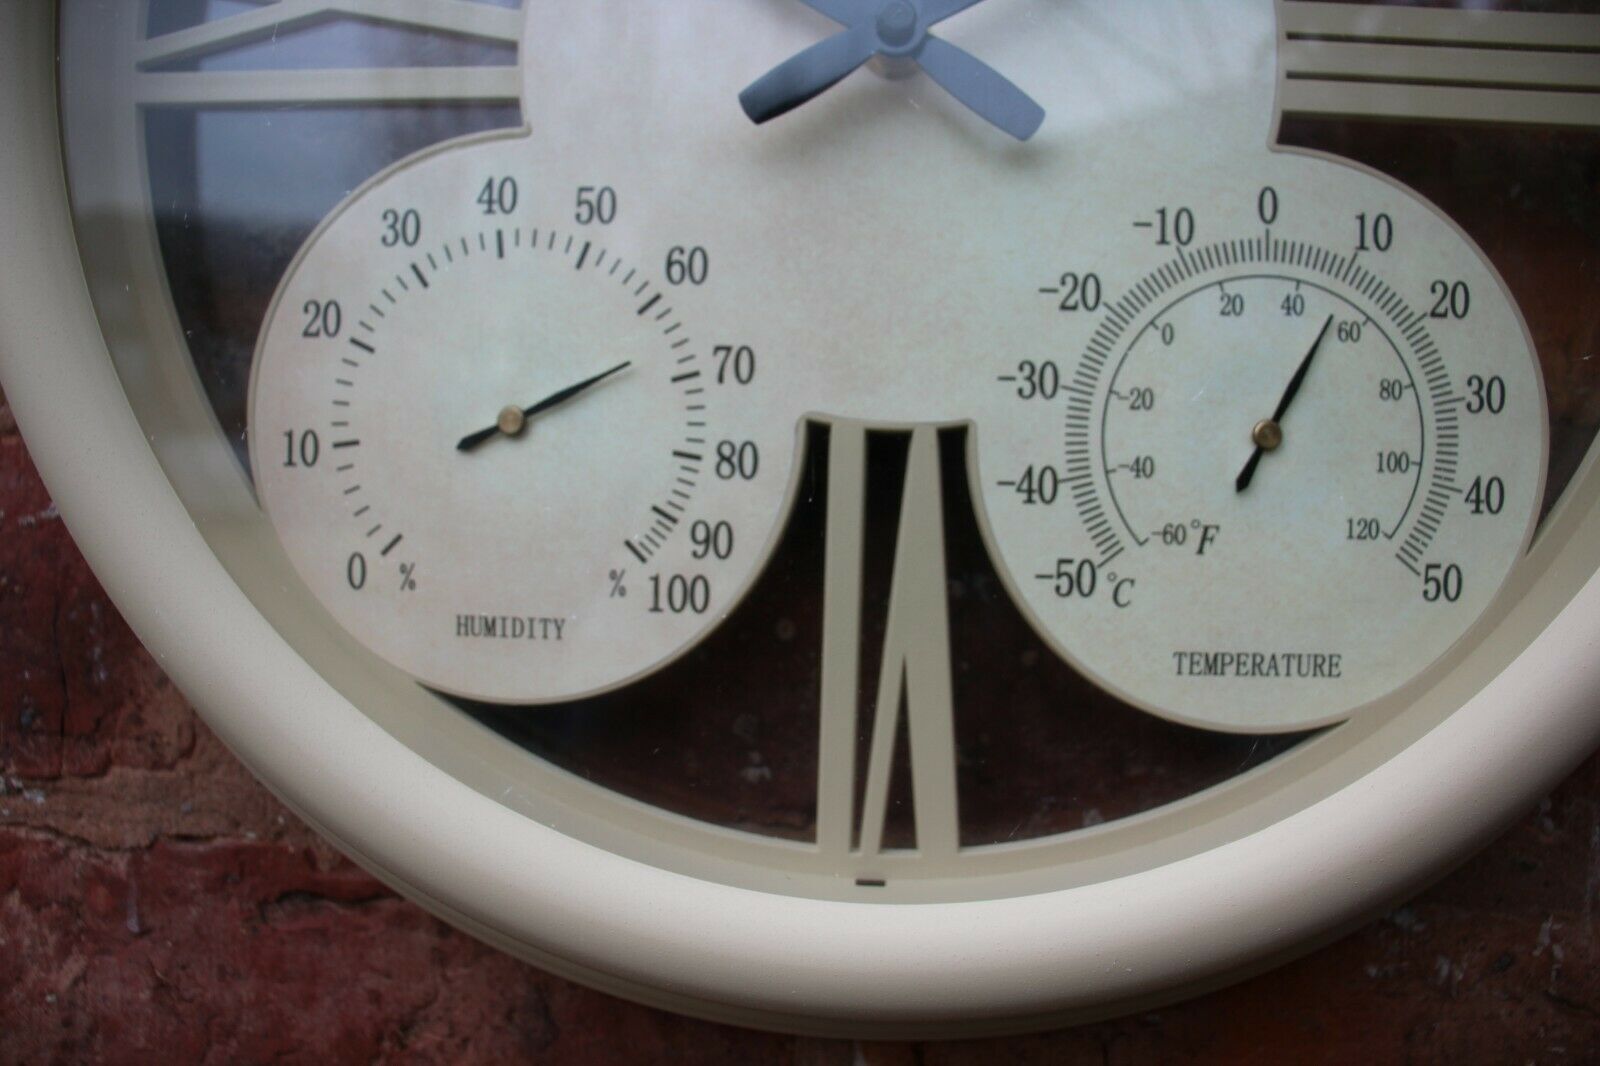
501, 354
856, 454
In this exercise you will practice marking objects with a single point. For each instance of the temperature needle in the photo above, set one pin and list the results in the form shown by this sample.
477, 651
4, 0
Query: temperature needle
1268, 434
512, 419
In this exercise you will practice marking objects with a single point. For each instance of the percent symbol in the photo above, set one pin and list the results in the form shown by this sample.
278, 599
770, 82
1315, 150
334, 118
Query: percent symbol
408, 577
618, 589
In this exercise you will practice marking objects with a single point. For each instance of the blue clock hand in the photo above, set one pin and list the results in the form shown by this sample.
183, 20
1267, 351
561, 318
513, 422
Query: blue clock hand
801, 77
982, 88
895, 28
850, 12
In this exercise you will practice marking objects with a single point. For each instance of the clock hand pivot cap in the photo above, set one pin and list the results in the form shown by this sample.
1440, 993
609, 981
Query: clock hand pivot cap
897, 23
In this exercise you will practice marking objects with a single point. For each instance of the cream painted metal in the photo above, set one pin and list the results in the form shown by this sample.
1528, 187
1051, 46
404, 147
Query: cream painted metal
460, 19
270, 88
513, 311
1358, 60
705, 921
154, 87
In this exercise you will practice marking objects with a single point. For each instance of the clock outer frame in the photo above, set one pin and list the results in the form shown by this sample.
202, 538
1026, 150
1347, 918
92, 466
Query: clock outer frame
697, 946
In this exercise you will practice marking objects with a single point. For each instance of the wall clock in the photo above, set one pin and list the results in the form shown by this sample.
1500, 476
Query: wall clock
912, 516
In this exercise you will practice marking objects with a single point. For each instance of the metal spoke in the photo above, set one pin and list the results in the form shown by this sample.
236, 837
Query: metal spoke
439, 16
383, 85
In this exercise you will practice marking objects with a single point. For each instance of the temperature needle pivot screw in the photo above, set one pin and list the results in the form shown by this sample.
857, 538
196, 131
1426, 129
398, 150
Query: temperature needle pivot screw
1267, 435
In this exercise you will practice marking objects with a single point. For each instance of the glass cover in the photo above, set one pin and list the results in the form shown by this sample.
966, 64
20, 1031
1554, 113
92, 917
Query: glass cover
276, 212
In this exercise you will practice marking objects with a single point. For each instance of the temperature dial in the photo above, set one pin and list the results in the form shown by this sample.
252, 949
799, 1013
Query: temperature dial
1287, 497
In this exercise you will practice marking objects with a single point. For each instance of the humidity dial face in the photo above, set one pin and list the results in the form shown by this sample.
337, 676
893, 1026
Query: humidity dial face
494, 447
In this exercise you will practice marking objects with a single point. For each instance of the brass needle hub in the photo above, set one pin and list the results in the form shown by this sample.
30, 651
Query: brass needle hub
1267, 435
511, 420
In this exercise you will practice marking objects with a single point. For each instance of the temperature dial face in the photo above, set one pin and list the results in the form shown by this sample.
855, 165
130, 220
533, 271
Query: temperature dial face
495, 450
1286, 490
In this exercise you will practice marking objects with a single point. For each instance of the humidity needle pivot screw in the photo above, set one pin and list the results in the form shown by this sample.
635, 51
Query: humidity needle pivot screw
511, 420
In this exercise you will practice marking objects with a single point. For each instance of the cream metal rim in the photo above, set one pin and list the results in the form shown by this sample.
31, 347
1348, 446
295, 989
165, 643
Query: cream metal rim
695, 945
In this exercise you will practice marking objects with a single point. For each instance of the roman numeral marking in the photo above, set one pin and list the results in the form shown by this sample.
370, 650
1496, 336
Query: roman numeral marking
154, 86
916, 659
1366, 61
